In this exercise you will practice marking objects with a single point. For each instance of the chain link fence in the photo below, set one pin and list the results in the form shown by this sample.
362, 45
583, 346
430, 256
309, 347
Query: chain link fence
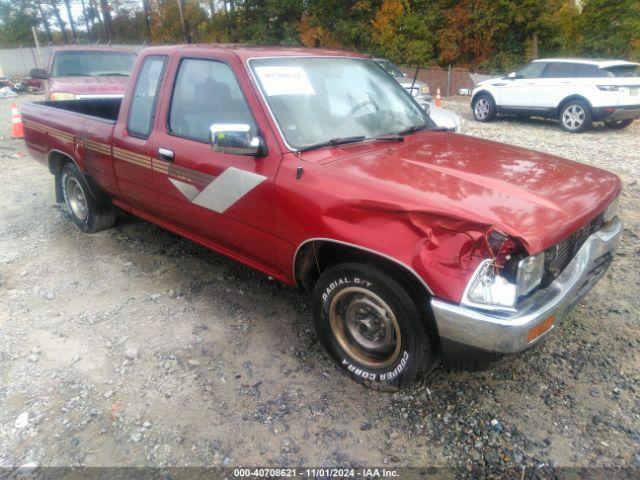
451, 81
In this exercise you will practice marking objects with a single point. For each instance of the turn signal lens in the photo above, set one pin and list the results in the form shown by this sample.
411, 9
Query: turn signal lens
541, 328
530, 271
612, 210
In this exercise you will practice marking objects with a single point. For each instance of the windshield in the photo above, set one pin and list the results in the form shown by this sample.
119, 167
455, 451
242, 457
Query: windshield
322, 99
624, 71
389, 67
92, 64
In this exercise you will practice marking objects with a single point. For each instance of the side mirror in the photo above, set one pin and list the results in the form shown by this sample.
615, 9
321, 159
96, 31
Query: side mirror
38, 73
234, 138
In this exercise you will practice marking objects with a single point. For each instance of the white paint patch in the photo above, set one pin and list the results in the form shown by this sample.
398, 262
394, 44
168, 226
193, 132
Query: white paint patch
187, 190
227, 189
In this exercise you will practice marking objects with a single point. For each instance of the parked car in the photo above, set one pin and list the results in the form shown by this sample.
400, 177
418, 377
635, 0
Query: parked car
420, 92
576, 91
412, 239
86, 72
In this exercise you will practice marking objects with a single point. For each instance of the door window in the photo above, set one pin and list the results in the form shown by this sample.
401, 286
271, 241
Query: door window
206, 92
560, 70
143, 103
531, 70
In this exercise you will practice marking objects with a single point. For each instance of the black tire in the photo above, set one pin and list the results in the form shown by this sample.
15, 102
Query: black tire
358, 288
619, 125
84, 210
484, 108
575, 116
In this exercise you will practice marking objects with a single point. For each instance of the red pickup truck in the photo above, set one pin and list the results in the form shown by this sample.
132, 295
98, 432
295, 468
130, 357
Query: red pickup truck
86, 72
318, 169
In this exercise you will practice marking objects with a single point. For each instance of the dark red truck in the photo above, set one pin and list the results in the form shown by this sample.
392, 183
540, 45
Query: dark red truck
318, 169
86, 72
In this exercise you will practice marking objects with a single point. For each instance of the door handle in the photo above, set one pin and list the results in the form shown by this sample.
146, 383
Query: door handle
165, 154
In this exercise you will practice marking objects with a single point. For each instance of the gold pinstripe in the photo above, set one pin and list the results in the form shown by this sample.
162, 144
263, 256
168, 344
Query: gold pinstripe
144, 161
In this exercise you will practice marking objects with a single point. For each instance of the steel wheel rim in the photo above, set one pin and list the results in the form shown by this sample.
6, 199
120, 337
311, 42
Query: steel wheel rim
482, 108
573, 117
75, 197
365, 327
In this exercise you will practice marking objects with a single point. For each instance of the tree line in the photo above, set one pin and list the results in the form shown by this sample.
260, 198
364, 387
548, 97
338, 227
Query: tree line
467, 33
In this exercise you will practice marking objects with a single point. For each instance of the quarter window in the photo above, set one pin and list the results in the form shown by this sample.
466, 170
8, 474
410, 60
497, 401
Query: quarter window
584, 70
145, 94
206, 92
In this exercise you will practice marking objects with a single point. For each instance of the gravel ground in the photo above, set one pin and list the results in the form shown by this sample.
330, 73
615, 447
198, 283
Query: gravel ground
134, 347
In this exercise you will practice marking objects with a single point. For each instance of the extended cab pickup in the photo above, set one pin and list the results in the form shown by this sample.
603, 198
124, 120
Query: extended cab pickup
318, 169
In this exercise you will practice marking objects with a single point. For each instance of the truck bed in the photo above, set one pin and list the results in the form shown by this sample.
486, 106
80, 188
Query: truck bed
104, 108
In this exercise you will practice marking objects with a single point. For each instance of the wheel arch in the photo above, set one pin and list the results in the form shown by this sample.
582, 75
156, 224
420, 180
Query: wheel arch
569, 98
486, 92
316, 254
56, 160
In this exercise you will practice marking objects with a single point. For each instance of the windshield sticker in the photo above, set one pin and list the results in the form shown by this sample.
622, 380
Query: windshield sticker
284, 81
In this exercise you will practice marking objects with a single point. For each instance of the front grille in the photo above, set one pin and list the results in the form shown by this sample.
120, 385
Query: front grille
559, 256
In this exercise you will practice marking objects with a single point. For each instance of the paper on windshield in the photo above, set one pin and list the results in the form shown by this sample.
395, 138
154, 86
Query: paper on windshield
284, 81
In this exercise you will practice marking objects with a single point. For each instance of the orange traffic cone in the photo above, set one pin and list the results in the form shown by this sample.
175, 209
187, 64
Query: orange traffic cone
438, 98
17, 128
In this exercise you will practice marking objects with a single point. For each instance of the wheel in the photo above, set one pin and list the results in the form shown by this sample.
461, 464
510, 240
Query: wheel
575, 116
89, 215
618, 125
484, 108
371, 326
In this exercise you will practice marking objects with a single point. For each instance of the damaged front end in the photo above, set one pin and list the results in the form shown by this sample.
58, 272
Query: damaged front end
489, 267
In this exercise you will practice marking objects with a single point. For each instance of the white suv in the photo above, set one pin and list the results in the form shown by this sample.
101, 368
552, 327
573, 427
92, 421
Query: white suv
575, 91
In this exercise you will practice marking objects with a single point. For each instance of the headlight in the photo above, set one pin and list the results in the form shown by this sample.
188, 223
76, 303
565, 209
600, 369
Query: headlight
490, 289
612, 209
424, 90
530, 271
56, 96
487, 289
609, 88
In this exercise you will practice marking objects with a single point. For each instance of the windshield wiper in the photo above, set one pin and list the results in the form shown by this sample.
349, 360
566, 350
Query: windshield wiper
392, 137
333, 142
413, 129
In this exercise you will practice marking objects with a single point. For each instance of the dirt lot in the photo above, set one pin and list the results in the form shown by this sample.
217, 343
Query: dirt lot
134, 347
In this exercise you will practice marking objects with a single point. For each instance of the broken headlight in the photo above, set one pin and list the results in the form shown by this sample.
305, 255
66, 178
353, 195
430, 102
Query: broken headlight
489, 290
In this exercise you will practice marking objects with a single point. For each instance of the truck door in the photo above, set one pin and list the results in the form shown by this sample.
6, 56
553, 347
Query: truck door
224, 199
132, 143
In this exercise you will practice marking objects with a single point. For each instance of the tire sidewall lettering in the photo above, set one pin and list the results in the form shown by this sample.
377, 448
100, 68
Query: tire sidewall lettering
344, 281
377, 376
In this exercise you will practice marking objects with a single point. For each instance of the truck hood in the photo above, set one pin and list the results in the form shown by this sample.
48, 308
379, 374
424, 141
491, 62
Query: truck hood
537, 198
89, 85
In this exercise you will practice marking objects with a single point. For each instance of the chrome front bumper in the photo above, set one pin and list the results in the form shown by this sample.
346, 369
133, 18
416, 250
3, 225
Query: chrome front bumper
509, 333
